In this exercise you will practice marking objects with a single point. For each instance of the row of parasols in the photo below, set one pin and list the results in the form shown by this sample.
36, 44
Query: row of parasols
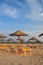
19, 33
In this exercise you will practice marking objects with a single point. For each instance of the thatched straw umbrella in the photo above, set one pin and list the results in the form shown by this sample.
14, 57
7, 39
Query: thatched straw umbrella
41, 34
21, 39
27, 41
18, 33
33, 39
2, 37
10, 40
38, 41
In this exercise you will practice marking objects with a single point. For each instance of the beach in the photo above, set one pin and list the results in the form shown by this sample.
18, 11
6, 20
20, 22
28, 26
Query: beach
10, 58
21, 32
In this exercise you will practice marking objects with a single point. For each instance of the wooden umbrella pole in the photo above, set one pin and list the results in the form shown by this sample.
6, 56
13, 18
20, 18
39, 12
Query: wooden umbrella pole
18, 39
33, 41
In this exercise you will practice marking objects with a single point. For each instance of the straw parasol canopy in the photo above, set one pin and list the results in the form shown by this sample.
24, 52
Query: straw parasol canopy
18, 33
2, 37
33, 39
41, 34
10, 40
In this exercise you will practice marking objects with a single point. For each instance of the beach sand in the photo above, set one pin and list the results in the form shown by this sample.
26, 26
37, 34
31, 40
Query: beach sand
8, 58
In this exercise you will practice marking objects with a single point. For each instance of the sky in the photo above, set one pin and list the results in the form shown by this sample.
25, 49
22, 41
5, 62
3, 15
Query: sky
25, 15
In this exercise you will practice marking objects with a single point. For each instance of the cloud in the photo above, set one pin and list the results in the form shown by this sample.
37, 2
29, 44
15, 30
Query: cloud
36, 27
42, 0
35, 10
41, 14
31, 9
13, 8
6, 10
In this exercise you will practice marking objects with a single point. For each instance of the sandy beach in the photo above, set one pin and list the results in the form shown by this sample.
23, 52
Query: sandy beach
8, 58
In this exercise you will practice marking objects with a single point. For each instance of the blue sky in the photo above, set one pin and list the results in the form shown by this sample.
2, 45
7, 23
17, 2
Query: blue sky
26, 15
